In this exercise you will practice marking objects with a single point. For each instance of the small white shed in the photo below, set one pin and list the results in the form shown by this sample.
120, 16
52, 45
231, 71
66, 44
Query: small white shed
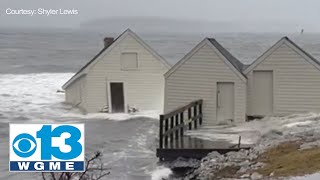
125, 74
283, 80
211, 73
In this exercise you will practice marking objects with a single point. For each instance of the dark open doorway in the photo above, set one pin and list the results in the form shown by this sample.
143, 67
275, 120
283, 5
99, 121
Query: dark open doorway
117, 97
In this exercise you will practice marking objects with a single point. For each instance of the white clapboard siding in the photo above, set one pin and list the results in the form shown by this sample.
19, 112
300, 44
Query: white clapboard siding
76, 93
197, 78
296, 82
143, 87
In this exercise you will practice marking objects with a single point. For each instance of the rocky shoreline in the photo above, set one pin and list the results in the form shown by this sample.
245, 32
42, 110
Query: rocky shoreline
295, 134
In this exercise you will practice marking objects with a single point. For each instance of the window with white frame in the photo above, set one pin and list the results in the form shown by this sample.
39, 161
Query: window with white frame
129, 61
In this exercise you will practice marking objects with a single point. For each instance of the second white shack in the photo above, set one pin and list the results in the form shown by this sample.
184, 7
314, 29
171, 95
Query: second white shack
211, 73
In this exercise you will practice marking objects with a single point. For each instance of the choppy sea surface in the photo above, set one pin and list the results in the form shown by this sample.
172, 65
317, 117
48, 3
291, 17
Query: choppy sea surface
35, 63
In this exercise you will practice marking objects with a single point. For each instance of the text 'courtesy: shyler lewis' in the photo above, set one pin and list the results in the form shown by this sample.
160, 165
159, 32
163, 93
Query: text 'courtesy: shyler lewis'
41, 11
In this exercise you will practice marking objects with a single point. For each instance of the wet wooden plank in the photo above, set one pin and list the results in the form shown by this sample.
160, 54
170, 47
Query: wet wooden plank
189, 147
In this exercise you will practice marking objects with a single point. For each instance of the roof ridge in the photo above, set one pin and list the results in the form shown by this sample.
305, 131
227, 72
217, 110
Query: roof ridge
232, 59
302, 50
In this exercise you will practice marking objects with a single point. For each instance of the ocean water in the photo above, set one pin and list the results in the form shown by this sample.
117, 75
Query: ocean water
34, 64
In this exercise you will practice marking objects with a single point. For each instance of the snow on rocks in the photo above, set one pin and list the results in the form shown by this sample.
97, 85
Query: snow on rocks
256, 176
273, 131
184, 163
243, 161
310, 145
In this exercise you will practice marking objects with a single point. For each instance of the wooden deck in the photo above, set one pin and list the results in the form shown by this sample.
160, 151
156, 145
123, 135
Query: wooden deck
173, 143
196, 148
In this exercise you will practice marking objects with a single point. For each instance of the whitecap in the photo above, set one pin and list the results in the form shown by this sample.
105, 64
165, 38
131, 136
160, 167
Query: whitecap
160, 173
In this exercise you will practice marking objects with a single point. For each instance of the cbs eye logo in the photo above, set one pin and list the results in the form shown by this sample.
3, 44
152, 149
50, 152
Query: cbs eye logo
24, 145
46, 147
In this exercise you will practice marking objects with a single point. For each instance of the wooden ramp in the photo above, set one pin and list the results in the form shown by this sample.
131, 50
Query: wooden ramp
173, 143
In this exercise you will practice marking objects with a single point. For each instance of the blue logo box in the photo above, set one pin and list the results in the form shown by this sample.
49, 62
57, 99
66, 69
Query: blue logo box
47, 147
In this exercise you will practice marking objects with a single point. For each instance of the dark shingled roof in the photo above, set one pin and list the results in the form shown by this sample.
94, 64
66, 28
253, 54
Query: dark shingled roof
234, 61
303, 51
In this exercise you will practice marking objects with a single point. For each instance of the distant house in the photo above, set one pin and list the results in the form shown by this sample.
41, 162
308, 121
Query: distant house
125, 74
284, 80
211, 73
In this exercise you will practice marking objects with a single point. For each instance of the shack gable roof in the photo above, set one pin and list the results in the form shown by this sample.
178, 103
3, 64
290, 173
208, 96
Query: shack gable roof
291, 44
105, 50
230, 60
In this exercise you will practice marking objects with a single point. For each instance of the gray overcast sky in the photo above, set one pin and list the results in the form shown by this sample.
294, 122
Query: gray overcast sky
306, 13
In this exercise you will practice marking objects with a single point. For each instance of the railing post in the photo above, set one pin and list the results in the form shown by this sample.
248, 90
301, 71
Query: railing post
177, 124
181, 122
195, 114
189, 117
166, 127
200, 113
171, 127
161, 132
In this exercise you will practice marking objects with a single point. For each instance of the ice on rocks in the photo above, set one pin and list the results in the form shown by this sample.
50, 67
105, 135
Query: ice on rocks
310, 145
269, 132
245, 176
184, 163
256, 176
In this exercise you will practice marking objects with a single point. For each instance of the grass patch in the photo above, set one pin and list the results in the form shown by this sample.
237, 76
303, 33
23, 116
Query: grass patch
287, 160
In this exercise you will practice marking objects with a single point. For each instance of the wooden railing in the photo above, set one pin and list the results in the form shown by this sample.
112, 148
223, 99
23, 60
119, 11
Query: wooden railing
173, 124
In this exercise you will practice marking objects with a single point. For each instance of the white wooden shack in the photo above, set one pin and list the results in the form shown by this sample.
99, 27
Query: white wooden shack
283, 80
126, 74
211, 73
